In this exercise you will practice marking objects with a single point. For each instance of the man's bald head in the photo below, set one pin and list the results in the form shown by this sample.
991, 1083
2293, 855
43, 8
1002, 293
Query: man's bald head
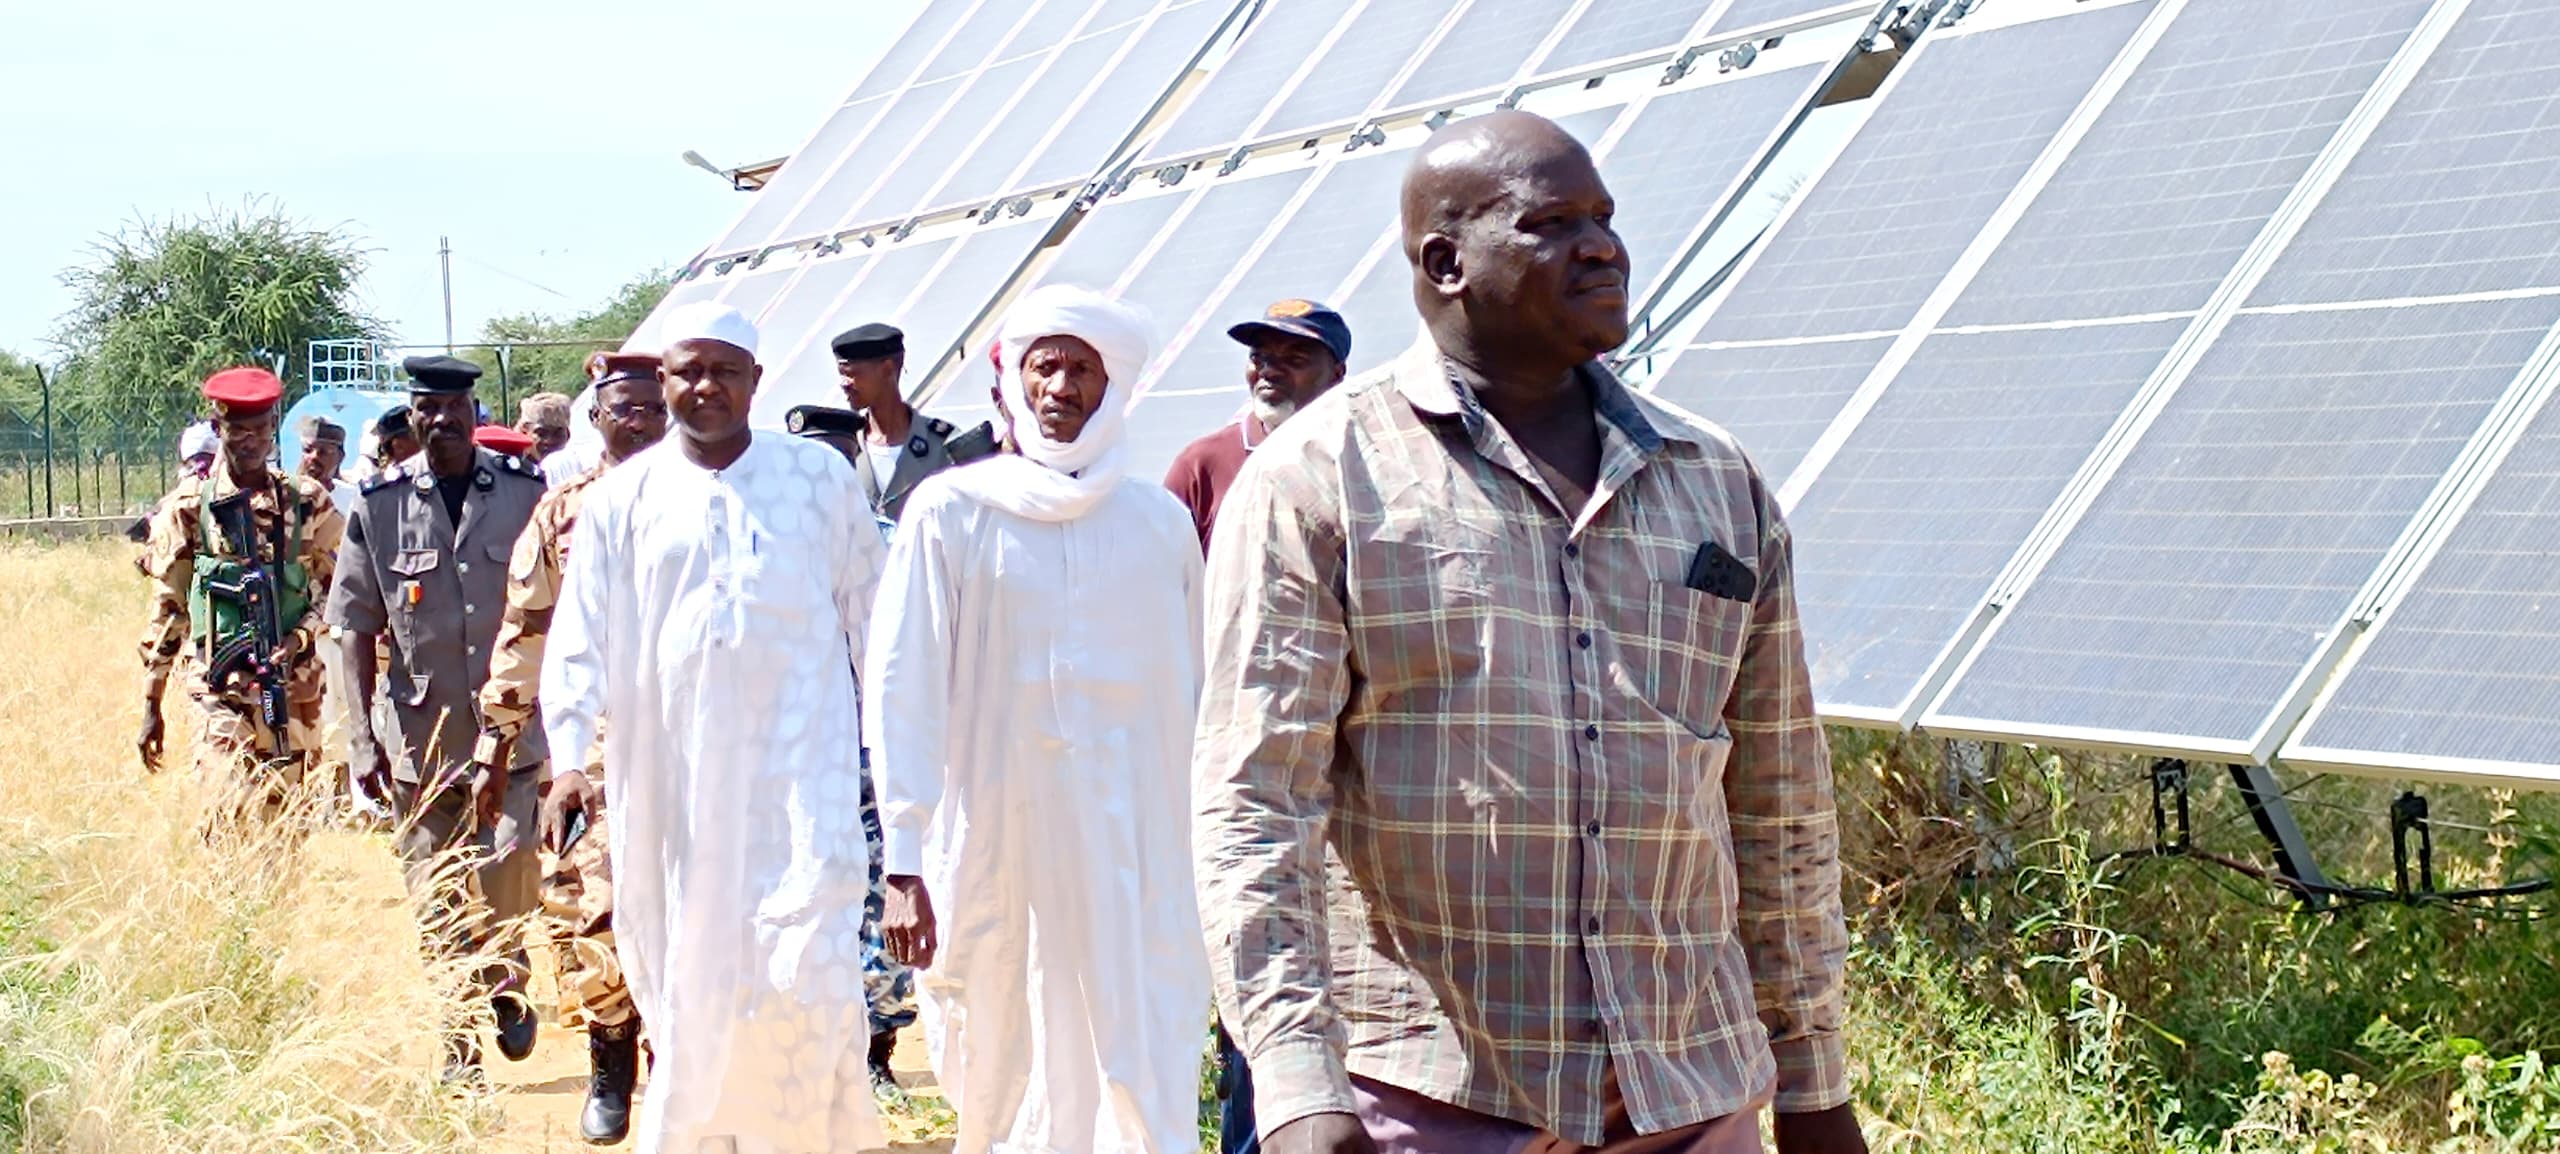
1507, 226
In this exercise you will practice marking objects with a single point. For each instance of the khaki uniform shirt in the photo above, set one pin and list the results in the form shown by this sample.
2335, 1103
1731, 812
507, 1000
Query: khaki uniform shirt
439, 589
169, 559
510, 700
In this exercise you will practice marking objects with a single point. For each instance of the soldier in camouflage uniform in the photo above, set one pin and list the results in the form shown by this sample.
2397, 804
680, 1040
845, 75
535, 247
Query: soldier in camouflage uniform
295, 531
630, 409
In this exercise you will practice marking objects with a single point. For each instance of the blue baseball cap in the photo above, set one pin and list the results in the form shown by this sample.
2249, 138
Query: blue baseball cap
1314, 320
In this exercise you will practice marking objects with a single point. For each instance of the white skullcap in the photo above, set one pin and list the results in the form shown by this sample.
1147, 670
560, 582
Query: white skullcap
1116, 330
706, 321
197, 441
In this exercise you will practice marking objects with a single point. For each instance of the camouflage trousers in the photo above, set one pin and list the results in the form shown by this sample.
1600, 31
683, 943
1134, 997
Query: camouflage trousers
235, 754
577, 908
889, 988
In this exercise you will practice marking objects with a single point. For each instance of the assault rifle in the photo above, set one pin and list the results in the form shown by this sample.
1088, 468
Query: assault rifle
248, 614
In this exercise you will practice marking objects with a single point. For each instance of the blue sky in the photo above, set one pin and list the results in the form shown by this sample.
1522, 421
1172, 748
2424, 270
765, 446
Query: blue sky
542, 137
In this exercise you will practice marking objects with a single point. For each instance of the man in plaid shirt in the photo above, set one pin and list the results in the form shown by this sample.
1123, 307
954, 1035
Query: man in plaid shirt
1519, 647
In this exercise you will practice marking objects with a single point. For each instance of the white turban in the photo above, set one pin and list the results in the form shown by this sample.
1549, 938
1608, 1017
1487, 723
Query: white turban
1116, 330
706, 321
197, 441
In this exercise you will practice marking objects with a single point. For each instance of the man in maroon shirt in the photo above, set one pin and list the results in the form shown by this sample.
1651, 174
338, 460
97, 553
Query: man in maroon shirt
1299, 348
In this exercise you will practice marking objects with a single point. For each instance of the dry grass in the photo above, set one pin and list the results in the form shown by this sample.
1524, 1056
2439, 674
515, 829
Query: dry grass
160, 991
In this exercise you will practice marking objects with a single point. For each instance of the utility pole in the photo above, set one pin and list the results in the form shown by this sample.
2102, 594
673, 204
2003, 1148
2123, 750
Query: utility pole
444, 258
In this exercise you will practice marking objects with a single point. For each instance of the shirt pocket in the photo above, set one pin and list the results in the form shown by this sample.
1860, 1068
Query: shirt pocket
1682, 648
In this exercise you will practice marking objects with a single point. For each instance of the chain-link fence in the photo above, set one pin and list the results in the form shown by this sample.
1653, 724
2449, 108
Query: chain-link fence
65, 469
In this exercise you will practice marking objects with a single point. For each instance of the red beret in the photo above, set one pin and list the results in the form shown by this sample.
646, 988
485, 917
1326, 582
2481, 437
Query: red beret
626, 367
502, 439
243, 391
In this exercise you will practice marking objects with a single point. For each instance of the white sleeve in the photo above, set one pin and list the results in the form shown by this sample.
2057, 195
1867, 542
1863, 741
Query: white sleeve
573, 662
860, 557
906, 682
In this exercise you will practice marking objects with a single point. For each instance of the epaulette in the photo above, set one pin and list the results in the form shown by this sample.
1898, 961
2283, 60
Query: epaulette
383, 480
941, 429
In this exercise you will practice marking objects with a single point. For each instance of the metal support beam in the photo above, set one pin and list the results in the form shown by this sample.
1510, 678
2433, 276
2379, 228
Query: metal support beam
2274, 816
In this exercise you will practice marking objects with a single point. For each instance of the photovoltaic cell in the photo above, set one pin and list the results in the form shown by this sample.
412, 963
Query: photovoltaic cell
1381, 38
1754, 13
1207, 245
800, 367
1105, 241
1609, 29
988, 169
1255, 71
2468, 666
1113, 109
1961, 125
1775, 399
904, 186
2179, 174
899, 63
753, 292
881, 152
2459, 188
804, 307
1928, 500
980, 38
1483, 50
2206, 575
1678, 161
1316, 249
1052, 24
952, 298
807, 168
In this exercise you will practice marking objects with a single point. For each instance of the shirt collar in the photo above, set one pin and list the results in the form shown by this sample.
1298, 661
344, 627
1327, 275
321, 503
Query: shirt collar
1425, 379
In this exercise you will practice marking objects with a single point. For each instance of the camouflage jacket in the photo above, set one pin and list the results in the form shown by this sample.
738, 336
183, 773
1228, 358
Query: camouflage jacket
177, 537
508, 700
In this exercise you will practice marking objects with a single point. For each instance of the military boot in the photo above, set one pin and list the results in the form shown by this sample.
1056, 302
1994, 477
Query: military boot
613, 1053
882, 1045
517, 1027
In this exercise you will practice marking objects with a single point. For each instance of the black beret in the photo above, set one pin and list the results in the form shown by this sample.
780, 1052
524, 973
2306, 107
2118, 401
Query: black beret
820, 420
440, 374
394, 422
869, 342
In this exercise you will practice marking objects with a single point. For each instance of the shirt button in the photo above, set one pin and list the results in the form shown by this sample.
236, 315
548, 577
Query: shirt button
1591, 731
471, 609
1572, 550
1593, 829
1584, 641
1593, 925
462, 566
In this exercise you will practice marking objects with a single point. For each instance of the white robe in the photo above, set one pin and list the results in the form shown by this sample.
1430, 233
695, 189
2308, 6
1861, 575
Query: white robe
714, 617
1030, 694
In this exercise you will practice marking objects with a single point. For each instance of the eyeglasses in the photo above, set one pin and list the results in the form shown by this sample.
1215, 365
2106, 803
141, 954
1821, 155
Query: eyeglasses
626, 410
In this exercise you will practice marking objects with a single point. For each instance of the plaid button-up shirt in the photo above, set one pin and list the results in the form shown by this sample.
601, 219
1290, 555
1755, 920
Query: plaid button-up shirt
1579, 812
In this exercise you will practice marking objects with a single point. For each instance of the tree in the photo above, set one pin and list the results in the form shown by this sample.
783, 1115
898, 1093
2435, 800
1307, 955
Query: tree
162, 304
547, 354
21, 389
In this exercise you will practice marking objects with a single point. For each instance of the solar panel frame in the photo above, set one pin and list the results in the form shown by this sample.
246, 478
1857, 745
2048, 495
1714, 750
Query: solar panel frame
810, 166
1267, 62
2182, 170
1744, 15
915, 47
2390, 451
799, 365
1379, 45
997, 161
1131, 91
1609, 30
1710, 136
2469, 639
1488, 45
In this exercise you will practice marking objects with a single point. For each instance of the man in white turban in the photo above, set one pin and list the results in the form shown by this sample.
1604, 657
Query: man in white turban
1029, 693
716, 591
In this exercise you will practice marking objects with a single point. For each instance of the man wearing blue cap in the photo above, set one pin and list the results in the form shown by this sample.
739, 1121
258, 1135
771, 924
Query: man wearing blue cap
1298, 351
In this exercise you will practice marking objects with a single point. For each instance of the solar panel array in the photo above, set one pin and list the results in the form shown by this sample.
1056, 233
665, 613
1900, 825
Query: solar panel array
2122, 366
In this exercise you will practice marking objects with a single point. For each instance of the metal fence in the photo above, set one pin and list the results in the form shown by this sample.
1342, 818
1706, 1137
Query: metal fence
63, 469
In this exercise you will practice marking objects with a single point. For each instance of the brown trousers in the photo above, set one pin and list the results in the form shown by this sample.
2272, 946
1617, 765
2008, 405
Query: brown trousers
1403, 1122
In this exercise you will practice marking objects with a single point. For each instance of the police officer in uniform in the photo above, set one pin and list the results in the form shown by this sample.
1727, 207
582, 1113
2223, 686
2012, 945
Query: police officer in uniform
900, 447
259, 704
425, 560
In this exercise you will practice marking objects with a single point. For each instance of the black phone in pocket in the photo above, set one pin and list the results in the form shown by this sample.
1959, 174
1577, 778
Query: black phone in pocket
1716, 572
